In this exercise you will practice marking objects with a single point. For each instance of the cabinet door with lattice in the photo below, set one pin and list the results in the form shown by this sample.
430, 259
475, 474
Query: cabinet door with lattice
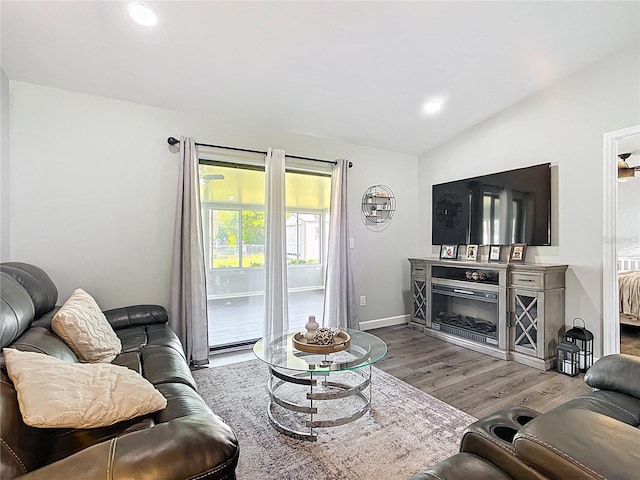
419, 287
527, 322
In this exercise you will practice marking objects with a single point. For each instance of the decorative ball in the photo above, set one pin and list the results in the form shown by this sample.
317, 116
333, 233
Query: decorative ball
324, 336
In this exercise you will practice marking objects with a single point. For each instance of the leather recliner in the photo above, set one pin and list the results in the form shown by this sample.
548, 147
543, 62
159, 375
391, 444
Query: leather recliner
594, 436
184, 440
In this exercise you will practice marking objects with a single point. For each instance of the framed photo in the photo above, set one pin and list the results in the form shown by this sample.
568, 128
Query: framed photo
494, 253
517, 252
472, 253
449, 252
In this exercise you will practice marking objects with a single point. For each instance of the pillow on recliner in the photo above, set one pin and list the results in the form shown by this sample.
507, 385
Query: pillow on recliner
53, 393
83, 326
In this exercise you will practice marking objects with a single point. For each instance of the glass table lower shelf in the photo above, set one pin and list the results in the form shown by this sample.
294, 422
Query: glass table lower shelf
310, 391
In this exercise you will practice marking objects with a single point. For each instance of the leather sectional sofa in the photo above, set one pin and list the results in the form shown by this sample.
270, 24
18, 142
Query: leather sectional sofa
594, 436
184, 440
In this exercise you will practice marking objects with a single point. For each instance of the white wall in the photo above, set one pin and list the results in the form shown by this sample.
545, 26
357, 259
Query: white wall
93, 188
563, 125
4, 167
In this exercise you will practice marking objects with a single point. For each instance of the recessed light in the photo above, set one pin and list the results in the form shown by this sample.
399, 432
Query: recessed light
432, 106
142, 14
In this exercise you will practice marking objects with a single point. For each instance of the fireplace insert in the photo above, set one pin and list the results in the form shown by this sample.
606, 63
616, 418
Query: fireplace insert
466, 311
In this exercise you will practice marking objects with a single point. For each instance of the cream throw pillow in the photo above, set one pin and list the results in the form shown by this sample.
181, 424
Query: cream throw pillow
83, 326
53, 393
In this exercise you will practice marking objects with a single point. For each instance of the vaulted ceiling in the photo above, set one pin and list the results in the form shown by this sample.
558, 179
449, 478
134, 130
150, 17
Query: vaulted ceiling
355, 71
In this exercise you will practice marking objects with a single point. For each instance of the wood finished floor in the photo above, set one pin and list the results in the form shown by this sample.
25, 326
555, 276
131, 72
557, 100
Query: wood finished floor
630, 339
473, 382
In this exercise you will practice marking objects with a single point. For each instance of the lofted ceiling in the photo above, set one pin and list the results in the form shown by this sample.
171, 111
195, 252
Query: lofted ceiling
354, 71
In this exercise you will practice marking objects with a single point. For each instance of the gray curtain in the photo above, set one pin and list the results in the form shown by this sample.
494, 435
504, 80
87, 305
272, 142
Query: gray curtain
188, 296
275, 296
339, 293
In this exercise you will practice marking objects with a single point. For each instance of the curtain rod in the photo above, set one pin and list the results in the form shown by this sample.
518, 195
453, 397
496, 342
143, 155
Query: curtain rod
174, 141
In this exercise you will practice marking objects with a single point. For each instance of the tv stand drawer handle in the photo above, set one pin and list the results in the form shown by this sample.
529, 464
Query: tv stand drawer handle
463, 291
525, 280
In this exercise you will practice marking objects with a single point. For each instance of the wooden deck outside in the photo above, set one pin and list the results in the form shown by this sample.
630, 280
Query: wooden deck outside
240, 319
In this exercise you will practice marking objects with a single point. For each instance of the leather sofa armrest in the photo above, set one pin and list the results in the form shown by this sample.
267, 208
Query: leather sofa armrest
187, 447
578, 443
135, 315
617, 372
462, 466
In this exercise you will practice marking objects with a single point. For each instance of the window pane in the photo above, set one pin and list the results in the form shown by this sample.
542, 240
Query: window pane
307, 192
304, 242
224, 227
222, 185
252, 239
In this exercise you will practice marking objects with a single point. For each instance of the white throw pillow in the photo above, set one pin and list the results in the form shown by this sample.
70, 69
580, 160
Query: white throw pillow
83, 326
53, 393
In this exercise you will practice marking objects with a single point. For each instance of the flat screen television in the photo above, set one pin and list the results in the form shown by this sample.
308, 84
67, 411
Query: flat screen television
499, 208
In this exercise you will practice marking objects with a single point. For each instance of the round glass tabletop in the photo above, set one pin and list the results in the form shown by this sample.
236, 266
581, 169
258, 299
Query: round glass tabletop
278, 351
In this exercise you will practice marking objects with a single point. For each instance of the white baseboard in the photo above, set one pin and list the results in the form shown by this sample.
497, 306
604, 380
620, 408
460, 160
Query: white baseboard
385, 322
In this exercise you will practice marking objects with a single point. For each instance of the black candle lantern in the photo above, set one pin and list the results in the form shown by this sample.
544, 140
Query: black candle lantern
583, 339
568, 357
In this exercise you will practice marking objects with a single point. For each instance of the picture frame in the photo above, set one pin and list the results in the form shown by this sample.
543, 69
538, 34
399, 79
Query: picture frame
517, 252
448, 252
495, 252
471, 253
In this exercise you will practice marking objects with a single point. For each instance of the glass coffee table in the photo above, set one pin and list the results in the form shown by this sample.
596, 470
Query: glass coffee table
309, 391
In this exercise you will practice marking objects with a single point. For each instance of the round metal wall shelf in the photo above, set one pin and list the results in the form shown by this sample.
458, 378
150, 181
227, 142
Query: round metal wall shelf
378, 207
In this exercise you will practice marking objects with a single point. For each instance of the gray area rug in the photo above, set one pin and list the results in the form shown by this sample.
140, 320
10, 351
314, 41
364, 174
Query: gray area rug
406, 430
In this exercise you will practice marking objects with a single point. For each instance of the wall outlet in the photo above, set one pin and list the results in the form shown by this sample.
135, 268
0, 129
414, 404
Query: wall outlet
352, 243
363, 300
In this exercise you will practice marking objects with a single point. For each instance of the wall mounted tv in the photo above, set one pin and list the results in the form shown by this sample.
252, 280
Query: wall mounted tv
499, 208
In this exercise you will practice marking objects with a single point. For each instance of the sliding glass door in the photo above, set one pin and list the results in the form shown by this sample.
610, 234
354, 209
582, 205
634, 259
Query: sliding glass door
233, 223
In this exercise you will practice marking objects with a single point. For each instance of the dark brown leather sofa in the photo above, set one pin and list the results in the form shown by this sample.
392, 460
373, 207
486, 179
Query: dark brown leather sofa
595, 436
186, 440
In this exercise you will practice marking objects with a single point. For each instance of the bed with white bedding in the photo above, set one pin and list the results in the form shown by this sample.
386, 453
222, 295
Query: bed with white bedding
629, 287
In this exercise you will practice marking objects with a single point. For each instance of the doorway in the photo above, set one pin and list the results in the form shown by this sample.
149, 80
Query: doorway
233, 217
610, 293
